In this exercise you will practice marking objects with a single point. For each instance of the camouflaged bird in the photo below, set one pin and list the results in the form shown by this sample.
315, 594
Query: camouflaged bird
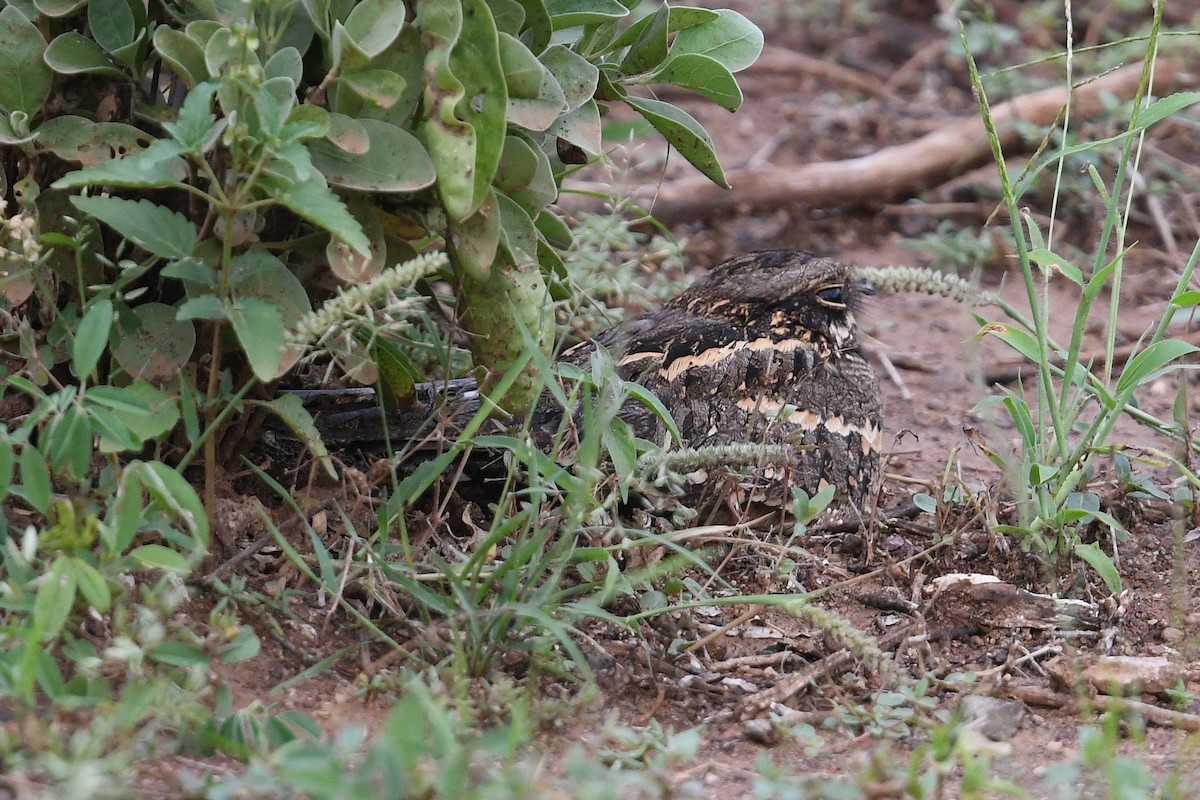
763, 349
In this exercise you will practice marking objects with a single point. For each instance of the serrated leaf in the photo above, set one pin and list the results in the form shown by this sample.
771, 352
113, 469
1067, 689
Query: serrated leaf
154, 228
192, 129
703, 75
71, 53
730, 39
684, 133
158, 166
320, 206
27, 78
91, 338
395, 161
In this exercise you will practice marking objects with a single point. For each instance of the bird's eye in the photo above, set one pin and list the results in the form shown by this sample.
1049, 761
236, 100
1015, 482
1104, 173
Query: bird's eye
833, 296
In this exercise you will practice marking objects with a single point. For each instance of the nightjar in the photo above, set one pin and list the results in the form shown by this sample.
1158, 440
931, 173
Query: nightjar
762, 349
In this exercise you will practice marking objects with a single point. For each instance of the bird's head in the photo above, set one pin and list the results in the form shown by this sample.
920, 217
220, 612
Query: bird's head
783, 294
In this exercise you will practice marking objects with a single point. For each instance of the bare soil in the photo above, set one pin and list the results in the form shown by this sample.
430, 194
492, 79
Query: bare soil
870, 81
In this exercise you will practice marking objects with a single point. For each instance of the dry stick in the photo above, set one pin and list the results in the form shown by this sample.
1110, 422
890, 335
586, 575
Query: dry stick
794, 682
778, 60
1155, 715
894, 172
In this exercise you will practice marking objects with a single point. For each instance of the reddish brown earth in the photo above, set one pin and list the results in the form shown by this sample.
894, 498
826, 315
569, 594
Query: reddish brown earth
805, 114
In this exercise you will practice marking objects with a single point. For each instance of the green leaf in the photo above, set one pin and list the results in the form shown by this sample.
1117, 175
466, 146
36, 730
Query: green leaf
156, 556
93, 588
244, 646
576, 76
125, 514
1152, 362
1166, 107
534, 97
71, 53
730, 39
82, 141
569, 13
35, 479
179, 654
156, 345
112, 23
1049, 260
154, 228
1186, 299
394, 161
69, 443
925, 502
173, 493
142, 407
290, 409
580, 127
375, 24
260, 274
27, 78
1099, 561
155, 167
205, 306
183, 54
285, 63
55, 598
684, 133
518, 236
7, 466
381, 88
650, 47
316, 203
258, 324
525, 175
703, 75
91, 337
192, 130
58, 8
466, 100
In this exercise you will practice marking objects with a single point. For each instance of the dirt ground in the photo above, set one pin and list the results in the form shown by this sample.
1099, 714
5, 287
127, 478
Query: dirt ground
870, 78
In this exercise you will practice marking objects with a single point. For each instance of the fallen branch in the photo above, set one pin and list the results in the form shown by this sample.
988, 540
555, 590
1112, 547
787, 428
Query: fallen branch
893, 172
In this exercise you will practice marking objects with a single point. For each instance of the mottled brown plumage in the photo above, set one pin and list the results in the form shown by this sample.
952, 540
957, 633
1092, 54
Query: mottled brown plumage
763, 349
